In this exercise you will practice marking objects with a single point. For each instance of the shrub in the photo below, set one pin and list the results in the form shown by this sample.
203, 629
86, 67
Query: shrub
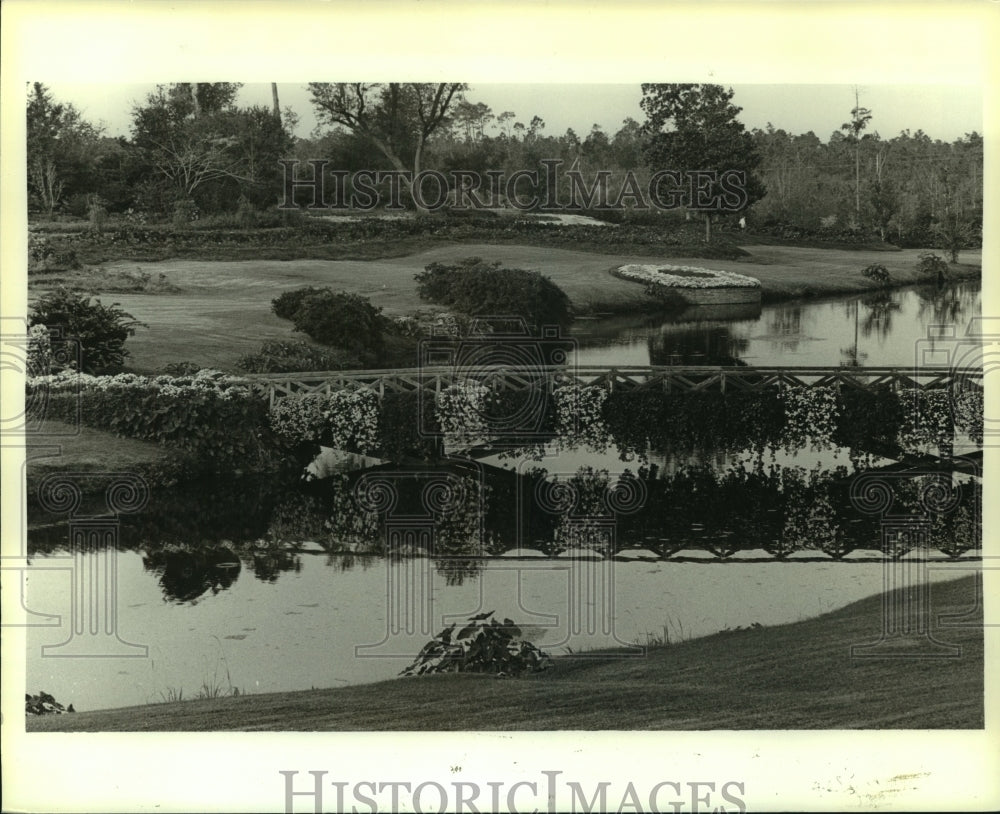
220, 419
876, 272
39, 361
101, 330
344, 419
340, 319
479, 288
932, 266
953, 235
97, 212
185, 213
246, 215
43, 256
181, 368
480, 647
286, 305
295, 356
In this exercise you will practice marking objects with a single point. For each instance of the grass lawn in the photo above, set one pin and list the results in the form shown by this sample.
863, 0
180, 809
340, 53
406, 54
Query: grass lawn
61, 447
223, 308
795, 676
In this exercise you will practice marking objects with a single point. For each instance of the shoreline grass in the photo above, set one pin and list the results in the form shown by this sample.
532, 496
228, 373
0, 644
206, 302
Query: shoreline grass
794, 676
222, 310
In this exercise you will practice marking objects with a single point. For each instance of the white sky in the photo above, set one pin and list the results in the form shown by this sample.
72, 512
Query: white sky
944, 112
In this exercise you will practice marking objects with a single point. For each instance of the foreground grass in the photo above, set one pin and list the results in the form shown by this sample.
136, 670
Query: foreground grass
796, 676
222, 310
55, 446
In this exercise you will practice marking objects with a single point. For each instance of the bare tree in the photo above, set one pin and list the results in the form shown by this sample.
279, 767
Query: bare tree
397, 117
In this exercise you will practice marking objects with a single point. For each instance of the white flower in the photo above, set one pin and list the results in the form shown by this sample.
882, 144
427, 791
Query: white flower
707, 278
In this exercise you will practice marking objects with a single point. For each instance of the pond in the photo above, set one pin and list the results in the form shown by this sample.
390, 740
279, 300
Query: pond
260, 586
879, 328
321, 624
631, 517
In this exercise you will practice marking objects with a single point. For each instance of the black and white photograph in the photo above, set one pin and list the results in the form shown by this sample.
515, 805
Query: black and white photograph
528, 428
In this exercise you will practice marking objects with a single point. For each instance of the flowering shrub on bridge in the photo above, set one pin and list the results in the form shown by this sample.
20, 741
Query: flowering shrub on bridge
219, 418
927, 419
344, 419
579, 416
968, 410
810, 416
460, 411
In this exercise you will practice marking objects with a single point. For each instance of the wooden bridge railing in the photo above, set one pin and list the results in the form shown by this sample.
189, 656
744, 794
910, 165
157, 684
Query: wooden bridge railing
667, 378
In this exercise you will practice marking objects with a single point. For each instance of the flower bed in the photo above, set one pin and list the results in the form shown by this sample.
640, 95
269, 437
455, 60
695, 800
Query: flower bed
699, 286
219, 418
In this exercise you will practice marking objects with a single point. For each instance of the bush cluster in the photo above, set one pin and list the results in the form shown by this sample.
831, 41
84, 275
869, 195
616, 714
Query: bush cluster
877, 272
296, 356
218, 418
475, 287
339, 319
100, 330
211, 233
932, 266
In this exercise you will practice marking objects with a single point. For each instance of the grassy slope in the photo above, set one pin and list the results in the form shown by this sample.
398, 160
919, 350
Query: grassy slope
60, 447
796, 676
223, 309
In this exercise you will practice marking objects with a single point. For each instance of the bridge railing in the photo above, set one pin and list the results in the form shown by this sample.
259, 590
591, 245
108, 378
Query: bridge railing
619, 377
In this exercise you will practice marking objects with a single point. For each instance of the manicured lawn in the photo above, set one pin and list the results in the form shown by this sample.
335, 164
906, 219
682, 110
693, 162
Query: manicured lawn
223, 308
58, 446
796, 676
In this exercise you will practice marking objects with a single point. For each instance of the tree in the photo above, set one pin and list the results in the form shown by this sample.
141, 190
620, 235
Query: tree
193, 136
503, 121
399, 118
694, 127
60, 149
860, 116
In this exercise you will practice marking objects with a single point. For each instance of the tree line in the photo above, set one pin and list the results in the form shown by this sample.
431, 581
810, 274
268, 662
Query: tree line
193, 152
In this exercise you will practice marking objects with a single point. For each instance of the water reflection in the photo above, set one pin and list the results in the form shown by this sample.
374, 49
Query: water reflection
879, 309
186, 574
784, 325
696, 345
878, 328
456, 516
946, 305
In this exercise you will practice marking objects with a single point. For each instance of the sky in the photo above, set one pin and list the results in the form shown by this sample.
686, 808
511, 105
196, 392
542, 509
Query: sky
945, 112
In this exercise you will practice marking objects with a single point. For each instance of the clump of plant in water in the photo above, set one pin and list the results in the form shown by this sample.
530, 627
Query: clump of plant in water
484, 645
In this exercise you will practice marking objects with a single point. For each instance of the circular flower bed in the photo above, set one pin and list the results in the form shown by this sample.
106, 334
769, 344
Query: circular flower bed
699, 286
686, 276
